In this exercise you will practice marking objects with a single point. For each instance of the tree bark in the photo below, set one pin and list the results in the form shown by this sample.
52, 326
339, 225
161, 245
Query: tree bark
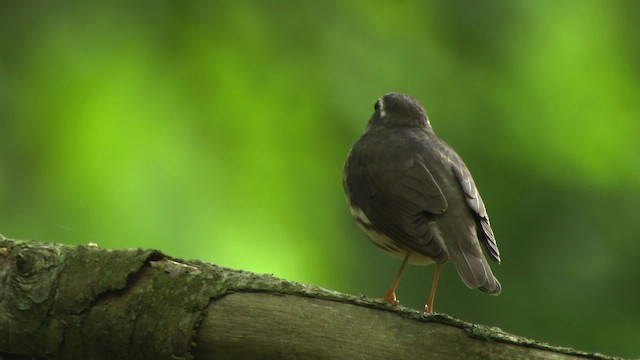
71, 302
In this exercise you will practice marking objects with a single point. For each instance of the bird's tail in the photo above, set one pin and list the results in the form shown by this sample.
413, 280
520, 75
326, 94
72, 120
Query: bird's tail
474, 269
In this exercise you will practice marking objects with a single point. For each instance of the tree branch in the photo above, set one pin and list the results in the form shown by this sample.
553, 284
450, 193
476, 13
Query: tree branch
70, 302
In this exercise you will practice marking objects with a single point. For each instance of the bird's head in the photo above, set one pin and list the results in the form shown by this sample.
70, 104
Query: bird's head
399, 110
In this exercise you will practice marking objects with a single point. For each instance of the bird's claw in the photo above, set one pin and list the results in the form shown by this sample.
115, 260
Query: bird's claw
390, 299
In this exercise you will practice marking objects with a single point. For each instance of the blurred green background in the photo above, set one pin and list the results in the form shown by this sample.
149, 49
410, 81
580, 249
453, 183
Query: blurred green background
218, 131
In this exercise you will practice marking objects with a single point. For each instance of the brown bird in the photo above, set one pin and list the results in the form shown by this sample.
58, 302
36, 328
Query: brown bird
413, 197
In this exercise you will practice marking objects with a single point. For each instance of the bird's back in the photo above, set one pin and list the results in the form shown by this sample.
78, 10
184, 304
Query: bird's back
406, 183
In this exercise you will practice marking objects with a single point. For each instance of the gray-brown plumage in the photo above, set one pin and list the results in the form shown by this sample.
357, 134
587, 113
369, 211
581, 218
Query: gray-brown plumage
415, 198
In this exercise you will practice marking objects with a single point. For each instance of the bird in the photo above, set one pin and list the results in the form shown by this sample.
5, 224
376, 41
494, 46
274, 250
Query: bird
414, 197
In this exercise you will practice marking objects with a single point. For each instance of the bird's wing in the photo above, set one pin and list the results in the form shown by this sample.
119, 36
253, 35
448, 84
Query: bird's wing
397, 195
485, 233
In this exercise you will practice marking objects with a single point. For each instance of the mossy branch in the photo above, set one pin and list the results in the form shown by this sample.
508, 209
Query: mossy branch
72, 302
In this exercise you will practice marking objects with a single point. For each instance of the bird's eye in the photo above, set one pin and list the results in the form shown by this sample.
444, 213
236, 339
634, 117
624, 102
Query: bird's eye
376, 107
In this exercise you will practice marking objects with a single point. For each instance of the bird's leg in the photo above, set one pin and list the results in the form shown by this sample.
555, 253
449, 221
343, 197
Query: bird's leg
429, 307
391, 294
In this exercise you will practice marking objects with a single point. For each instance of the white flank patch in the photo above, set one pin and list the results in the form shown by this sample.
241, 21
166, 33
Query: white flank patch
384, 242
358, 213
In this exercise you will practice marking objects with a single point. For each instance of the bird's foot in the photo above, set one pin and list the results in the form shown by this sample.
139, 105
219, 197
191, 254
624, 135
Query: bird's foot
390, 298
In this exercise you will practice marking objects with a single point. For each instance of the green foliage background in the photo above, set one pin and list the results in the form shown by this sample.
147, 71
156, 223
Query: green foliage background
218, 131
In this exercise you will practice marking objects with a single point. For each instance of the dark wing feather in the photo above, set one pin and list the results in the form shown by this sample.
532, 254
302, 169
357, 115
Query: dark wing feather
485, 233
398, 197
